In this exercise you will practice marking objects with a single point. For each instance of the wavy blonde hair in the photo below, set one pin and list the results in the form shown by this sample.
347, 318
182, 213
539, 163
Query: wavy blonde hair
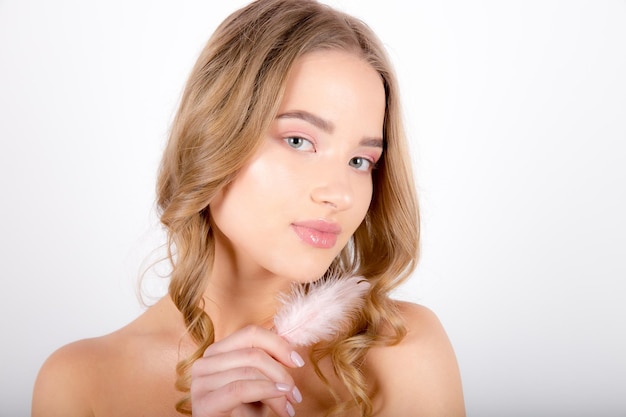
231, 97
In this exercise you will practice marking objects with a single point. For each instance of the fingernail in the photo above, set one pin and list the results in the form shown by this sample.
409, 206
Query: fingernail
297, 359
296, 395
290, 409
283, 387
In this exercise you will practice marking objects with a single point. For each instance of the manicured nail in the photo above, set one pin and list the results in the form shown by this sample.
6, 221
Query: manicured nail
283, 387
296, 395
290, 409
297, 359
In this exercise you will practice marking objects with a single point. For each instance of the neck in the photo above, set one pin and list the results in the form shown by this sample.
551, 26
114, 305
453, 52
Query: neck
237, 296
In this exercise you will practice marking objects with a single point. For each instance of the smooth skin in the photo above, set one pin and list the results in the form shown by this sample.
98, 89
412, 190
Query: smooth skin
314, 165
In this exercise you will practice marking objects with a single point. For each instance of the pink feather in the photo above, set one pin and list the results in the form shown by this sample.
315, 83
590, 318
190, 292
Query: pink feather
327, 308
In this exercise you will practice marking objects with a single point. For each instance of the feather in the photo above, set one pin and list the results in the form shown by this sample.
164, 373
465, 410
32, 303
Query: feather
328, 307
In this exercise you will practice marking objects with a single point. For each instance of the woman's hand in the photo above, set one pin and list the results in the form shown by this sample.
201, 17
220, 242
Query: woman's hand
244, 374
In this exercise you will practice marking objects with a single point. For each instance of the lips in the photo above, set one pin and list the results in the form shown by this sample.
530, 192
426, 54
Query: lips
317, 233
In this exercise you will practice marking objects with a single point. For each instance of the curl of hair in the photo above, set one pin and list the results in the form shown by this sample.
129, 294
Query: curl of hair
231, 97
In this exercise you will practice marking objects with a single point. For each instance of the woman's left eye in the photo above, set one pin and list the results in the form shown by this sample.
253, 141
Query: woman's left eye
362, 164
299, 143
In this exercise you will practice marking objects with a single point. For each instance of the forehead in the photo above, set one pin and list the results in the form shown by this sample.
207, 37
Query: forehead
339, 87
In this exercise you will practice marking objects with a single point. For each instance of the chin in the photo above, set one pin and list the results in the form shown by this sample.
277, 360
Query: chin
302, 266
307, 273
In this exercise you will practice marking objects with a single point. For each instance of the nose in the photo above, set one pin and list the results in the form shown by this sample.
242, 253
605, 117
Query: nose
334, 190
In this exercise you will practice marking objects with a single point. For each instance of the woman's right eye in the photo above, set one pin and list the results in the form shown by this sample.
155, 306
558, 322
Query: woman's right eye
300, 143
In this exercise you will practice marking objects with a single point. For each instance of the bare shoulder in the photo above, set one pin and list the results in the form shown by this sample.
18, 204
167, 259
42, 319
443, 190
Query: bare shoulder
420, 375
85, 378
65, 383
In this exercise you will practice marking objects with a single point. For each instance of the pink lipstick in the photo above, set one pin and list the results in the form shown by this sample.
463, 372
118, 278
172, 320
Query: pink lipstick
317, 233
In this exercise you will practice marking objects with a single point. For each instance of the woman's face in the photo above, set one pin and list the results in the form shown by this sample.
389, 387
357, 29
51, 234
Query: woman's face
295, 205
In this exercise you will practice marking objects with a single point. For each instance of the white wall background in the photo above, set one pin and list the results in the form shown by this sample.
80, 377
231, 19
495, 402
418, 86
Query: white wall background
517, 112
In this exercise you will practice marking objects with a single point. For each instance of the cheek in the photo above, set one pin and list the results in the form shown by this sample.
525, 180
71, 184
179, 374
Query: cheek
267, 175
364, 198
279, 176
262, 190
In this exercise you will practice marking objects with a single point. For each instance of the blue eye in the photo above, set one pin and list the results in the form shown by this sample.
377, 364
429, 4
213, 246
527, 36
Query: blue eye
362, 164
299, 143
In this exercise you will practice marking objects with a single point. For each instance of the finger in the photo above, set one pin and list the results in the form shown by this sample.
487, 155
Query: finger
280, 406
201, 385
216, 380
224, 400
254, 358
258, 337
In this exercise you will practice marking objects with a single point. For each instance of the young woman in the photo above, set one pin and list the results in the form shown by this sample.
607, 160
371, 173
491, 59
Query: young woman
286, 160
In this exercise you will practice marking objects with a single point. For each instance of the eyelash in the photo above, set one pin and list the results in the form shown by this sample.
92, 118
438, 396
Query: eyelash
371, 164
370, 167
289, 140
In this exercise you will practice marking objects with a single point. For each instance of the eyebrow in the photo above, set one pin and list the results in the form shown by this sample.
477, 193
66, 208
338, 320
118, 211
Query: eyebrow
372, 142
316, 121
326, 126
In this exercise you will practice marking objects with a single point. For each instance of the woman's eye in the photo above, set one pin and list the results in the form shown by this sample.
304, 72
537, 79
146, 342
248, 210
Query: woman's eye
362, 164
299, 143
